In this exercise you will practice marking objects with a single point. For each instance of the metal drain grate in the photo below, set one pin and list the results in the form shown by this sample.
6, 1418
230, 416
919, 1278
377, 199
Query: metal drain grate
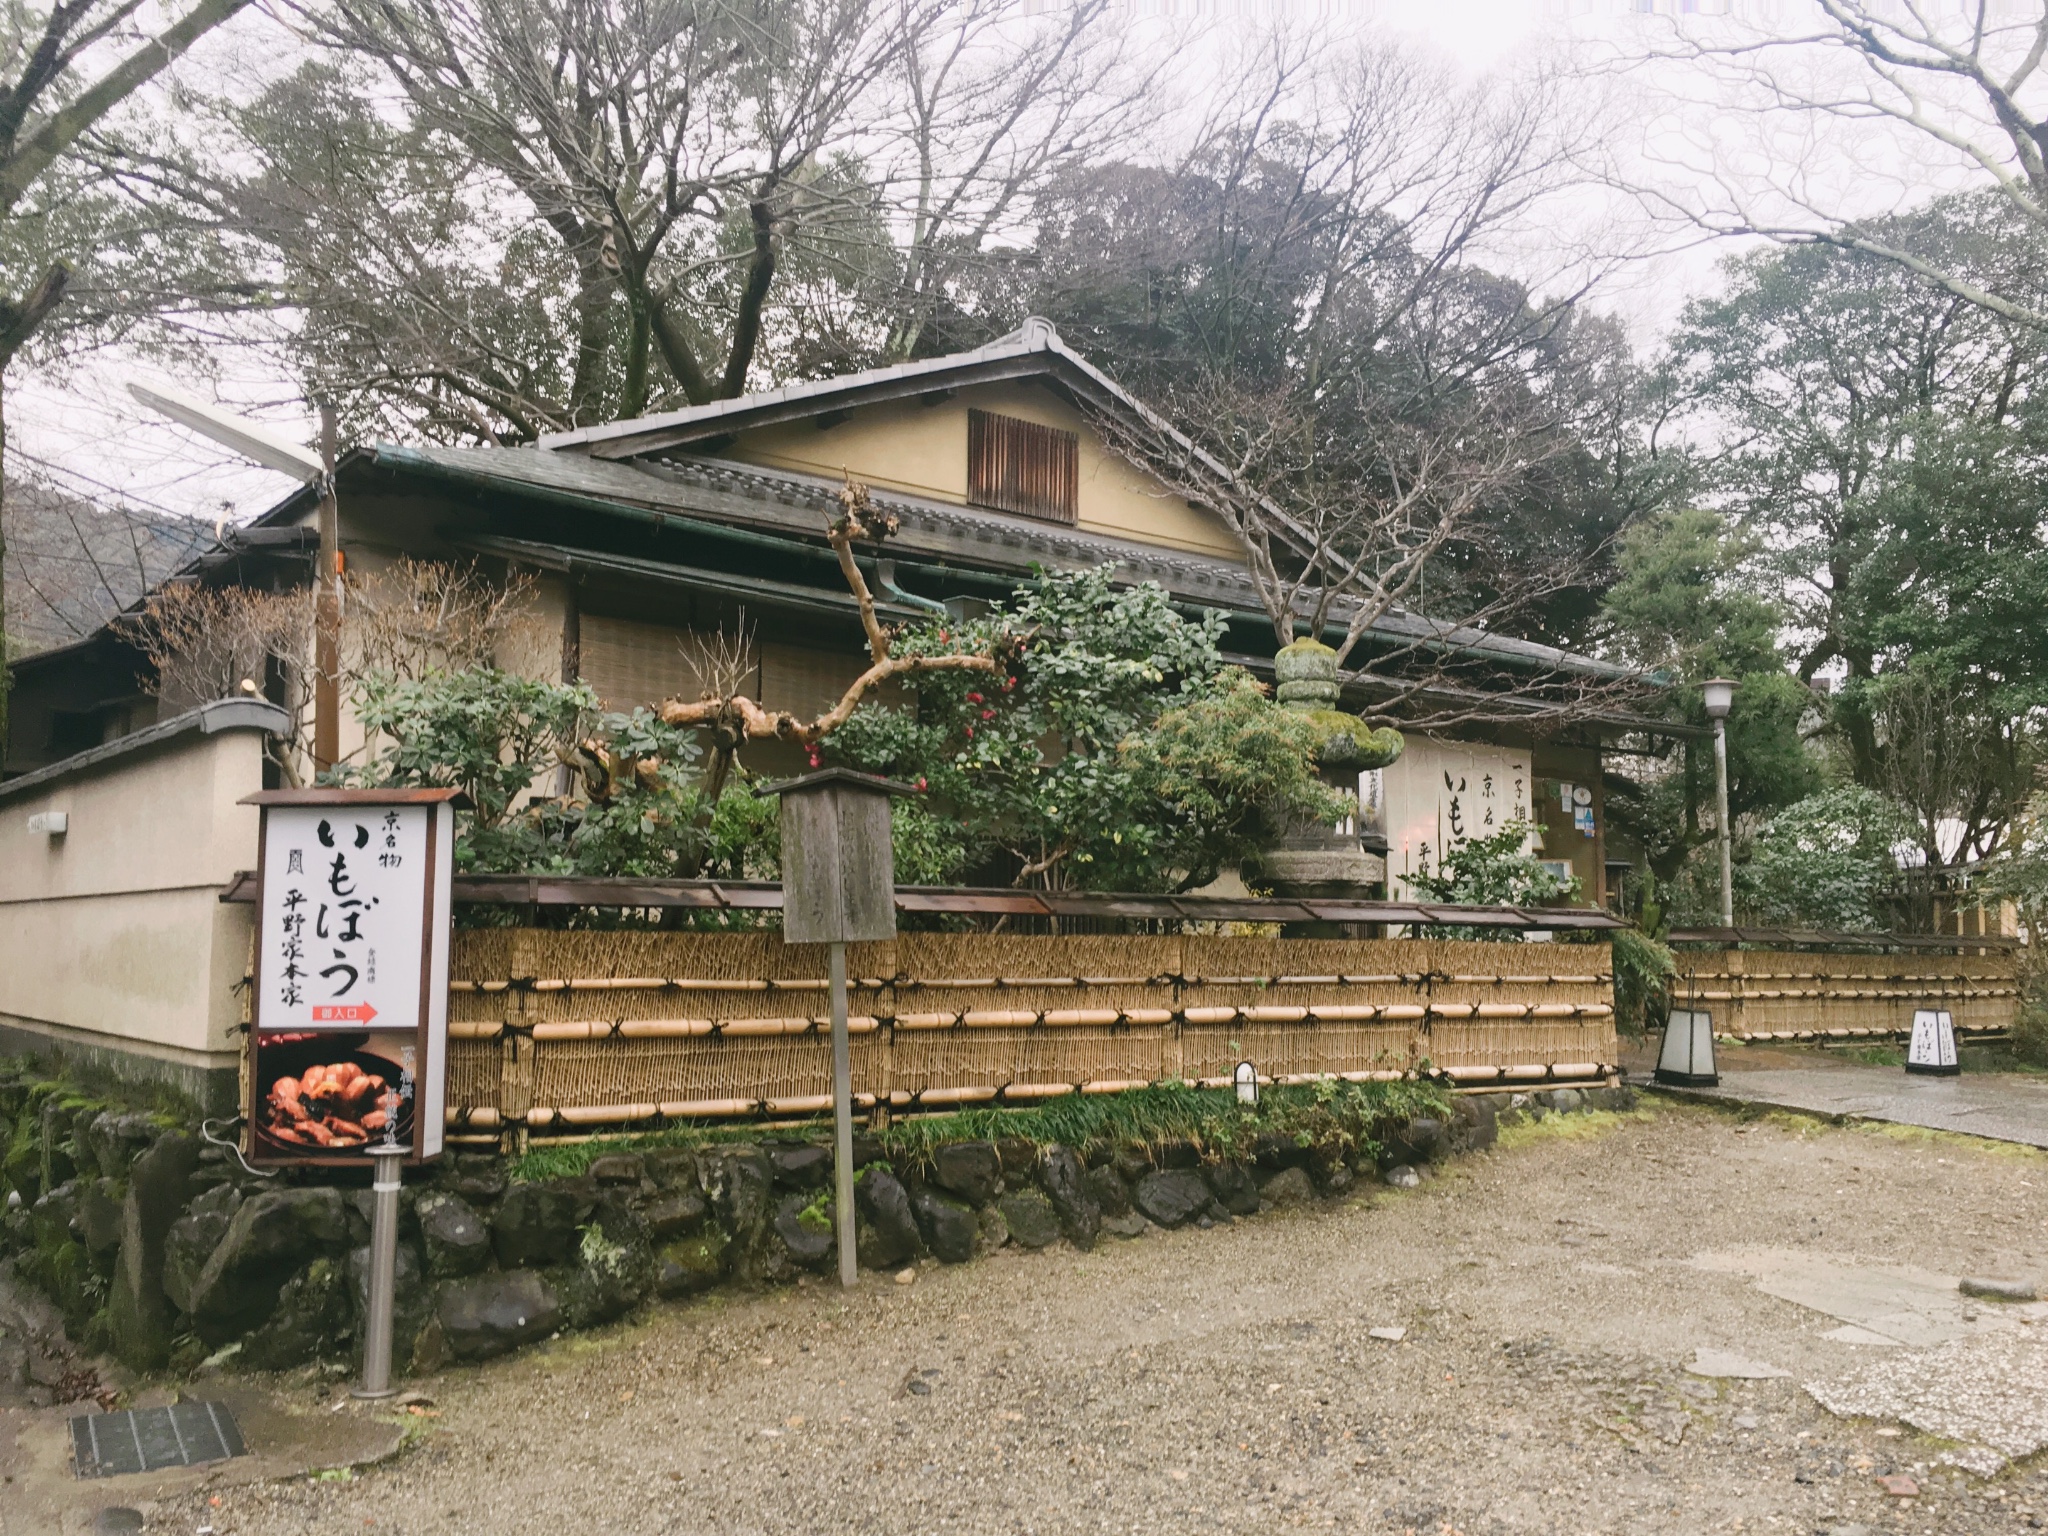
143, 1439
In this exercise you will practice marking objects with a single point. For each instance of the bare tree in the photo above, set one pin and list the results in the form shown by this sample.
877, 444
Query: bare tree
1858, 97
73, 563
1366, 405
205, 643
417, 616
671, 147
993, 110
65, 65
1342, 528
404, 621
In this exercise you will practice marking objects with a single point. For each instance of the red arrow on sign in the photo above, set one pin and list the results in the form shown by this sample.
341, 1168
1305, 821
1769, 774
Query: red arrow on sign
347, 1013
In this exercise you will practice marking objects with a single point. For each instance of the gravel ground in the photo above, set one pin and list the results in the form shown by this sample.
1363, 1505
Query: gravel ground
1196, 1380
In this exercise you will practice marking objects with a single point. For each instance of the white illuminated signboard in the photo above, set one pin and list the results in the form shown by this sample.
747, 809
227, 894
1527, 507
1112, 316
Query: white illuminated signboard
351, 971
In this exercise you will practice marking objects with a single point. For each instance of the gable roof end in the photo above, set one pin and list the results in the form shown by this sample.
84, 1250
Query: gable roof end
1033, 349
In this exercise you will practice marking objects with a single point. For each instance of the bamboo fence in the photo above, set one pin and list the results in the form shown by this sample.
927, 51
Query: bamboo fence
553, 1030
1762, 994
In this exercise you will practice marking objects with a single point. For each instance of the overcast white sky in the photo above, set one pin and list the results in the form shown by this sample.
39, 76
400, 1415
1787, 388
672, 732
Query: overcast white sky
105, 445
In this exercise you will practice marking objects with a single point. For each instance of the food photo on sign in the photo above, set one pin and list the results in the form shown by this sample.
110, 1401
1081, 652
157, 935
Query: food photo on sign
352, 1089
350, 1029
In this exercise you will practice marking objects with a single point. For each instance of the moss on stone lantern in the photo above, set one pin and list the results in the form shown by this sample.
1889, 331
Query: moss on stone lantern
1306, 673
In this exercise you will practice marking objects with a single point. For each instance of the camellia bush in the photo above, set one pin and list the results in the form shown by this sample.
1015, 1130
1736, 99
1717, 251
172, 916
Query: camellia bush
636, 803
1828, 861
1114, 750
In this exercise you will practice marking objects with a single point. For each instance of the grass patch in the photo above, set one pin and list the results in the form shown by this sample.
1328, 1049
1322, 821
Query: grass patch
1211, 1119
1954, 1141
1309, 1114
1580, 1125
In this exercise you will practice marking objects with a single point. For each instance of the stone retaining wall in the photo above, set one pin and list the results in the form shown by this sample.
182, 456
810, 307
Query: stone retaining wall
162, 1250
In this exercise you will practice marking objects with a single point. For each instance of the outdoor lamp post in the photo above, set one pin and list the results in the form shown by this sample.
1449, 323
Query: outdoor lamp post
838, 888
1720, 692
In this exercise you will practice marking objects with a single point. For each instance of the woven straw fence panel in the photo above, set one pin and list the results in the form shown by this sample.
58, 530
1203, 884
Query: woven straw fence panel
1245, 971
1515, 1043
473, 1073
1212, 1052
1032, 974
610, 1072
677, 976
585, 1024
1072, 1054
1755, 993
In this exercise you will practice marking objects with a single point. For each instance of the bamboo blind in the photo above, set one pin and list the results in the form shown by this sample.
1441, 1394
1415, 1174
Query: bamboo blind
557, 1029
1757, 994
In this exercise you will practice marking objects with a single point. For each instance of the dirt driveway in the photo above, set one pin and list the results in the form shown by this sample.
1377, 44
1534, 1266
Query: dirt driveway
1552, 1293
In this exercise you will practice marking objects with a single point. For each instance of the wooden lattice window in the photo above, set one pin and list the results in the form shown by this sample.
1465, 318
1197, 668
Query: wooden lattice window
1019, 466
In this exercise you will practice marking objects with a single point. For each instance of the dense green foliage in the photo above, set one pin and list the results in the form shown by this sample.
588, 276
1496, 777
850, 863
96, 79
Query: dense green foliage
1886, 459
638, 807
1829, 860
1331, 1113
1118, 752
1496, 871
1643, 968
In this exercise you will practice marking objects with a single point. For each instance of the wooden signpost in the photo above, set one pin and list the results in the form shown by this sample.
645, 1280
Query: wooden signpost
838, 888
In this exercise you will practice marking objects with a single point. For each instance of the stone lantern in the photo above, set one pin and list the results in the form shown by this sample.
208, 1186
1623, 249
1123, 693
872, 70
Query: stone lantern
1313, 859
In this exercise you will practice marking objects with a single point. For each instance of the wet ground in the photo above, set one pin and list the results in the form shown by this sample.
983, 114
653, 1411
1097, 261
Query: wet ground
2003, 1106
1550, 1296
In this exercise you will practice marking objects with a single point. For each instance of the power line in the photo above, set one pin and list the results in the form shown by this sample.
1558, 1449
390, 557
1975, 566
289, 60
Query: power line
65, 471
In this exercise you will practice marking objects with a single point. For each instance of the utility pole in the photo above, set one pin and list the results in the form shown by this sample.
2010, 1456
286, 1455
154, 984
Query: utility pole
1720, 695
327, 605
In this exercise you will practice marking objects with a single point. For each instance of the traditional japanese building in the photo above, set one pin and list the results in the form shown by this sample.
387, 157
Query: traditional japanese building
712, 518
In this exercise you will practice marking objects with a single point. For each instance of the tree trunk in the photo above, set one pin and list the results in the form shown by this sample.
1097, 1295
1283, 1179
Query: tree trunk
6, 646
639, 334
18, 321
746, 325
593, 340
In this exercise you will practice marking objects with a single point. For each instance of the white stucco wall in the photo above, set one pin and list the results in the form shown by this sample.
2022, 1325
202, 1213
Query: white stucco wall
1439, 794
114, 932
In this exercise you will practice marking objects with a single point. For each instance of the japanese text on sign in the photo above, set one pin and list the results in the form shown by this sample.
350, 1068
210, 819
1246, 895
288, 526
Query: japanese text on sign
345, 906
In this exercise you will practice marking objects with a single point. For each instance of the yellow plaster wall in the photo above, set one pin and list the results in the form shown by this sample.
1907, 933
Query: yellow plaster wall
922, 449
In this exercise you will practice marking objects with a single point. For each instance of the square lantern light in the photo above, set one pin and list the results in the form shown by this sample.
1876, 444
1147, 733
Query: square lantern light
1932, 1051
1687, 1058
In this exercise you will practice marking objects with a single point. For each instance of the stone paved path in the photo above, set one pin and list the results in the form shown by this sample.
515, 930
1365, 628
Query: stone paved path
2001, 1106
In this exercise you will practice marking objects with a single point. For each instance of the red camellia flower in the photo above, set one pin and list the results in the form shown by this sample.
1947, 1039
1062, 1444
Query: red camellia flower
988, 714
974, 698
970, 730
920, 784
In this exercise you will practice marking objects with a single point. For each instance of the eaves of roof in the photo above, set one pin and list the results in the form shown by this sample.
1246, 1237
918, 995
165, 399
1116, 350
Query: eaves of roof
793, 505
